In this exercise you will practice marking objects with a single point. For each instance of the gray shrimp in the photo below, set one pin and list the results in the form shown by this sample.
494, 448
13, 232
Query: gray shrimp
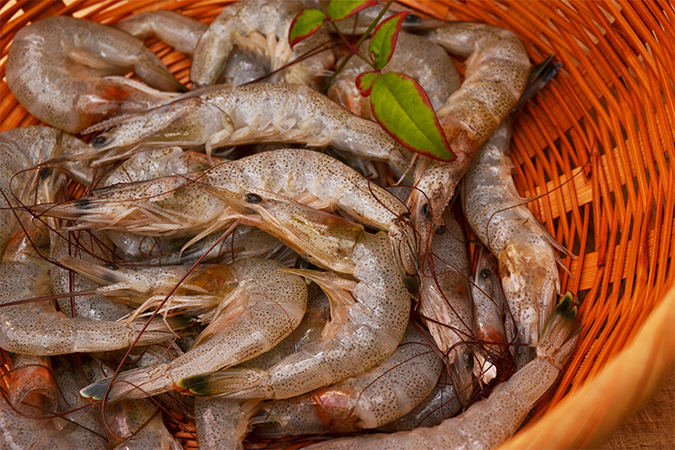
523, 248
265, 112
369, 400
497, 72
446, 303
59, 69
488, 423
259, 26
259, 306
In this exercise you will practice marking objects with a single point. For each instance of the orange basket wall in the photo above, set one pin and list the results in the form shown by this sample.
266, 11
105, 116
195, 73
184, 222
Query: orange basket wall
597, 147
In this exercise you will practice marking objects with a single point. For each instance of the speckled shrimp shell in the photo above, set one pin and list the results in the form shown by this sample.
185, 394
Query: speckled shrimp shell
259, 26
260, 306
497, 72
59, 68
369, 400
488, 423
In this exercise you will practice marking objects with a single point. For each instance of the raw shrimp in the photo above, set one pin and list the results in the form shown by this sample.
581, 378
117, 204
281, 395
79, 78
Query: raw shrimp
446, 303
21, 149
369, 315
497, 72
525, 251
223, 423
179, 31
260, 306
489, 422
182, 33
56, 68
490, 314
369, 400
415, 56
174, 206
265, 112
261, 26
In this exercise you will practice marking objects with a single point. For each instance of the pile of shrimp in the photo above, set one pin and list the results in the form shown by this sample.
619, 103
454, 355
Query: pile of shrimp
239, 254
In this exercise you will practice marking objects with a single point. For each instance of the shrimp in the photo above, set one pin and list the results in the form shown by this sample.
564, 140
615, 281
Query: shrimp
262, 26
57, 67
369, 400
178, 31
489, 422
174, 206
20, 150
497, 72
524, 249
369, 315
223, 423
446, 303
415, 56
441, 404
489, 314
267, 112
183, 33
260, 305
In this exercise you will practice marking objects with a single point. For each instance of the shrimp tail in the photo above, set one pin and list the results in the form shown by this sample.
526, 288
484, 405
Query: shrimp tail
224, 383
540, 76
146, 380
99, 274
560, 332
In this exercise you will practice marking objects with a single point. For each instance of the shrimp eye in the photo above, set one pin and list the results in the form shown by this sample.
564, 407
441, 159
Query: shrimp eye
412, 18
45, 172
440, 229
426, 211
485, 274
98, 141
253, 198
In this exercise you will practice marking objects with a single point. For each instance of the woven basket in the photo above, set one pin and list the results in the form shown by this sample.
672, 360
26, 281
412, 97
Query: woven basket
597, 149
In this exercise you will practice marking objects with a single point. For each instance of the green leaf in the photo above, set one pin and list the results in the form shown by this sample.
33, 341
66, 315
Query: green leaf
383, 42
305, 24
342, 9
365, 82
403, 109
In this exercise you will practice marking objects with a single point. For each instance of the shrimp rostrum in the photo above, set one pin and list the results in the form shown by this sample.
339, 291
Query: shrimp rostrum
63, 70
